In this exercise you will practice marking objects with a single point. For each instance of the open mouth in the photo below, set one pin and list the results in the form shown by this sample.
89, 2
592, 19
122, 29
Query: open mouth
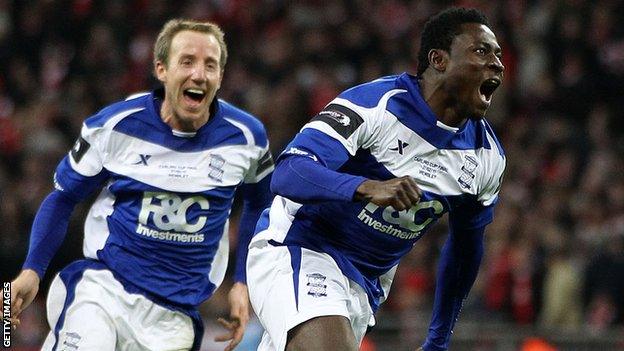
488, 87
196, 95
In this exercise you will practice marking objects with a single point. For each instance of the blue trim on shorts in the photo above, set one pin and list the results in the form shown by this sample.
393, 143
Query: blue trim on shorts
70, 276
73, 273
295, 262
198, 328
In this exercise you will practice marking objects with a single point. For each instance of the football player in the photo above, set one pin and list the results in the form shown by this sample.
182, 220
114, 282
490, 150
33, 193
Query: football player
167, 164
365, 179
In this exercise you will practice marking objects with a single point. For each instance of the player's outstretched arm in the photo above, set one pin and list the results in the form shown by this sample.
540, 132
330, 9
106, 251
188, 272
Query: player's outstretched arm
23, 291
457, 271
239, 316
47, 234
400, 193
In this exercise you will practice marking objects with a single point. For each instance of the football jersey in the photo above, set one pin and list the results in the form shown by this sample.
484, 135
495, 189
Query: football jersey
382, 130
160, 218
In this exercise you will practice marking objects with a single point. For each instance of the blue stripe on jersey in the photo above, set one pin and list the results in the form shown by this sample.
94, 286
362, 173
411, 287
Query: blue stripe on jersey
255, 126
105, 114
217, 132
368, 94
489, 130
412, 111
470, 137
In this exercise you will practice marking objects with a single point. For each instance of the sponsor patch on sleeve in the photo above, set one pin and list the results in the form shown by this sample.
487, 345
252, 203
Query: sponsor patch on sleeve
265, 162
79, 149
342, 119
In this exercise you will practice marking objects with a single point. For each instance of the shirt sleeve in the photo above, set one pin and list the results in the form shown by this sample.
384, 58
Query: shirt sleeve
307, 169
77, 176
50, 225
256, 197
457, 270
353, 126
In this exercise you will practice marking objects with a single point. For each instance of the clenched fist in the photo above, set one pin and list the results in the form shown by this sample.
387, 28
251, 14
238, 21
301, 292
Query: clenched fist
400, 193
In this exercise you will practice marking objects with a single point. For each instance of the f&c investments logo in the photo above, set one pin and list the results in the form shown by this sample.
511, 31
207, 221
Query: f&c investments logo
6, 314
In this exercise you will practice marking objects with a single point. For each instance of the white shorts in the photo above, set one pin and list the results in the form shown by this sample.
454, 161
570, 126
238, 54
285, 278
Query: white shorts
88, 309
290, 285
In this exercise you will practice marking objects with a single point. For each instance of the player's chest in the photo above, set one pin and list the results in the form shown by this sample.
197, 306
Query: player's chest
442, 171
180, 171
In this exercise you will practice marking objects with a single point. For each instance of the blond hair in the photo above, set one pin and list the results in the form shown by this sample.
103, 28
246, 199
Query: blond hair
174, 26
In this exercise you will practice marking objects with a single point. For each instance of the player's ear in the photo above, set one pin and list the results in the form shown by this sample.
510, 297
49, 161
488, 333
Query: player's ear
160, 69
438, 59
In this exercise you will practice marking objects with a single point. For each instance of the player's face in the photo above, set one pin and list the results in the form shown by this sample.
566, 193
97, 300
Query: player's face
191, 78
474, 70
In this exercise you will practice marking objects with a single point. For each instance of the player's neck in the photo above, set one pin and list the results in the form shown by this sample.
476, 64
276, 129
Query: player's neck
440, 101
168, 115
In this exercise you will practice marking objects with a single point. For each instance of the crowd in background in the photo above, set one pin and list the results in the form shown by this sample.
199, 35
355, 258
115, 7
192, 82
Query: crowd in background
555, 251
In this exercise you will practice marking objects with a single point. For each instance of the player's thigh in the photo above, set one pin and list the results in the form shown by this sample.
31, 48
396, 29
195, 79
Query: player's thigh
75, 322
147, 326
322, 333
88, 309
289, 286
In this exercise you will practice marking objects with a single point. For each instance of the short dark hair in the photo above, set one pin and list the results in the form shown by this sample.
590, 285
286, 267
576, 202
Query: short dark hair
440, 30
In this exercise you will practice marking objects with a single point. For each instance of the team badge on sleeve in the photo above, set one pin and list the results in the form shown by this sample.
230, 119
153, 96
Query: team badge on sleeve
342, 119
79, 149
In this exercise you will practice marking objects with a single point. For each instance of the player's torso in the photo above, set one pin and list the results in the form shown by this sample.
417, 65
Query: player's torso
160, 220
373, 238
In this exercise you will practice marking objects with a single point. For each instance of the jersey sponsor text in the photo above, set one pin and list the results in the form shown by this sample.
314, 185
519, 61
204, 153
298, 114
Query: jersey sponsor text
405, 219
169, 236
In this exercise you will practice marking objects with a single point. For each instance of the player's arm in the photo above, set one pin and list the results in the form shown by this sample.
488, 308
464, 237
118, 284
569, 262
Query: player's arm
460, 259
457, 270
256, 197
307, 173
76, 177
48, 232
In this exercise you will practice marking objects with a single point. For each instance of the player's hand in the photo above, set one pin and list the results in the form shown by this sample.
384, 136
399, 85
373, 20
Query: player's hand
239, 316
420, 349
23, 291
400, 193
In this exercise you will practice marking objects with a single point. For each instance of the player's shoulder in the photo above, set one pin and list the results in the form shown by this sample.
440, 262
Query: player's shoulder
249, 124
370, 94
112, 114
489, 138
